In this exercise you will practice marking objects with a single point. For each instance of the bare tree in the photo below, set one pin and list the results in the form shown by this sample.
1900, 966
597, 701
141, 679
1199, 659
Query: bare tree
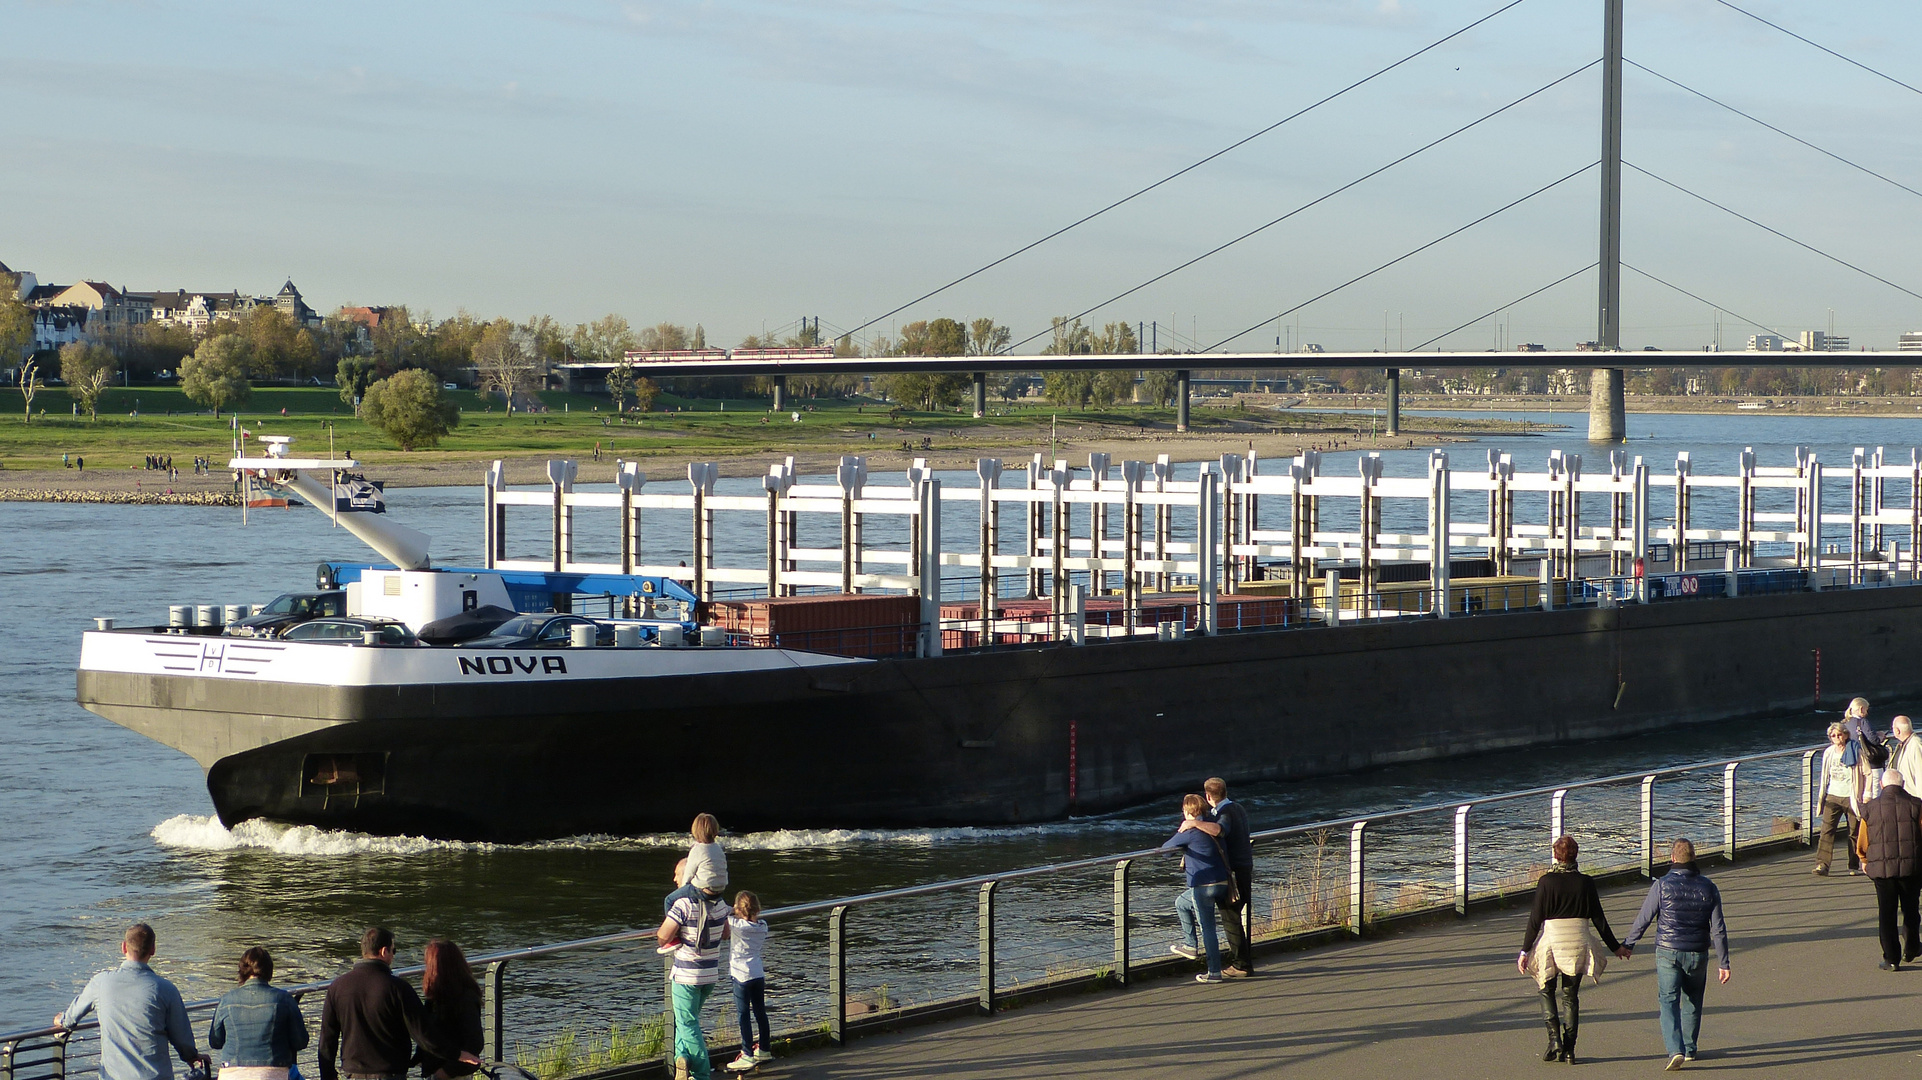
505, 365
30, 384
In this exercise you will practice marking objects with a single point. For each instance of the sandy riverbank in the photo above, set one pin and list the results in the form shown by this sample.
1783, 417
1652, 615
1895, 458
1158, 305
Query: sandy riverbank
1267, 435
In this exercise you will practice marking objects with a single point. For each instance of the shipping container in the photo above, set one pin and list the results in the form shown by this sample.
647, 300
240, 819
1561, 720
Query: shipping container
838, 623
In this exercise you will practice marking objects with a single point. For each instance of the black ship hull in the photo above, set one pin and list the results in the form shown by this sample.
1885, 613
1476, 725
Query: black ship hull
1021, 735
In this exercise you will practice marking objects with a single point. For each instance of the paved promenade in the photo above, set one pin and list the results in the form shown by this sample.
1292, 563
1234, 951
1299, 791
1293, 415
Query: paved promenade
1445, 1001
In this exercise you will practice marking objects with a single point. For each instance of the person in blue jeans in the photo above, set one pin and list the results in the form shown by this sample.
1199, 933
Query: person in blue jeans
1206, 868
1687, 910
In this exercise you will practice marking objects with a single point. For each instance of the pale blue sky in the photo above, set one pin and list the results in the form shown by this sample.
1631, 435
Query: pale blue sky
739, 163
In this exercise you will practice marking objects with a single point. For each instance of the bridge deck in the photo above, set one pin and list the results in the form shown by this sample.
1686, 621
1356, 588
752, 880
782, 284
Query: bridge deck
1445, 1001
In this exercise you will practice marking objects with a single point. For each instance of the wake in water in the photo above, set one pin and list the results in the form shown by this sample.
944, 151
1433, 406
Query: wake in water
205, 833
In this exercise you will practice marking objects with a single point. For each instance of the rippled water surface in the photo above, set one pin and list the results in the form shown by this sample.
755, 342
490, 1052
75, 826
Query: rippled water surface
100, 827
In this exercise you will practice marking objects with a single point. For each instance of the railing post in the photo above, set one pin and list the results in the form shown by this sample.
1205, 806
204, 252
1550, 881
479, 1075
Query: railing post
1648, 826
60, 1043
1808, 797
1728, 810
667, 1012
1121, 921
493, 1011
1555, 804
1461, 858
986, 997
838, 976
1357, 878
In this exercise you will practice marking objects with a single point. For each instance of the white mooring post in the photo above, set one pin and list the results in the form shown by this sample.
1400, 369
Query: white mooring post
561, 474
630, 480
930, 567
1438, 550
989, 472
1207, 540
700, 478
496, 524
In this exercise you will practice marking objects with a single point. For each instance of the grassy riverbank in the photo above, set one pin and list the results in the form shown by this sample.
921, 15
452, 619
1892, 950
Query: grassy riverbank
743, 436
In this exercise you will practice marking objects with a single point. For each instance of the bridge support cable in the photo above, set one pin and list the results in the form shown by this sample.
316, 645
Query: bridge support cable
1838, 260
1858, 166
1177, 174
1404, 256
1821, 47
1505, 307
1671, 285
1322, 198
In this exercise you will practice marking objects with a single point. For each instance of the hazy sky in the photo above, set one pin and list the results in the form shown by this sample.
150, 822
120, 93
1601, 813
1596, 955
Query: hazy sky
741, 164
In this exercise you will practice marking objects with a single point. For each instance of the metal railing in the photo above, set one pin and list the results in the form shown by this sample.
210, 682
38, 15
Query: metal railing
975, 944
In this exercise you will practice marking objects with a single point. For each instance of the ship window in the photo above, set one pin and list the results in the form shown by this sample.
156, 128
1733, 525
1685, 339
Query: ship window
343, 774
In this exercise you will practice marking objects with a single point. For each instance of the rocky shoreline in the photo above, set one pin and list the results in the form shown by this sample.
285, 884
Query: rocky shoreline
141, 498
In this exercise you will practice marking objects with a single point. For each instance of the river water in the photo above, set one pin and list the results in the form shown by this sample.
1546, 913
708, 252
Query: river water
100, 827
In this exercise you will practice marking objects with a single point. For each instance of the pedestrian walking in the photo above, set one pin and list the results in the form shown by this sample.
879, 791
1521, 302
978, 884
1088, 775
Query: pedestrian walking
1905, 753
453, 1001
1558, 949
141, 1015
1892, 821
1687, 910
695, 926
747, 938
1841, 799
1239, 845
371, 1019
257, 1027
1206, 870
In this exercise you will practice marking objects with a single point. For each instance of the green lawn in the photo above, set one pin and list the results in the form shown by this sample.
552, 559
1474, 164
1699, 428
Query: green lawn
167, 423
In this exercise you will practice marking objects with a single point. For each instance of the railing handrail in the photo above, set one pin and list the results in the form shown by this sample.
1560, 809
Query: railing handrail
813, 907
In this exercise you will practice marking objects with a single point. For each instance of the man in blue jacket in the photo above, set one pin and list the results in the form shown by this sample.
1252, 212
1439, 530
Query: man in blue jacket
1688, 909
141, 1015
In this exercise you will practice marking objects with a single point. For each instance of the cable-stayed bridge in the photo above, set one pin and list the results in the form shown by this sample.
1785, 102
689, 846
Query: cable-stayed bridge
1604, 357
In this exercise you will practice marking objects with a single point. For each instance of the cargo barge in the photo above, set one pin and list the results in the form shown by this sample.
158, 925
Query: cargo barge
1140, 633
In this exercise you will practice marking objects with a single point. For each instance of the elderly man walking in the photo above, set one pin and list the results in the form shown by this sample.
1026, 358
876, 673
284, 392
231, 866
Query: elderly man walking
1687, 909
1894, 823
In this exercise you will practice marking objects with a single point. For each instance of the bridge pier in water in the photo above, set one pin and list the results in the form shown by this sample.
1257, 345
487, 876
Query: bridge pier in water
980, 394
1394, 401
1607, 410
1181, 400
780, 392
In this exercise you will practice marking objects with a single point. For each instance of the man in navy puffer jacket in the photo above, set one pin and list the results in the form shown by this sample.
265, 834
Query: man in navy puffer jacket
1688, 908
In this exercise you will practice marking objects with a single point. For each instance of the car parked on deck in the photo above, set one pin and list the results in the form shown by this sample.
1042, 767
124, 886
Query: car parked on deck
549, 630
348, 631
288, 610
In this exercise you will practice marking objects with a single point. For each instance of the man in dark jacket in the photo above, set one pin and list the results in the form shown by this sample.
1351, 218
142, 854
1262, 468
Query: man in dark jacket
1894, 822
1234, 837
372, 1018
1688, 908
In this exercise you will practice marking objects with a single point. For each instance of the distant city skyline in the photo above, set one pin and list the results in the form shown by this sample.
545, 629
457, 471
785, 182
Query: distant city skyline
740, 165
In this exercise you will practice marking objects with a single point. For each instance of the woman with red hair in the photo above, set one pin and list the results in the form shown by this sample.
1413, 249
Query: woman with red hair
453, 1002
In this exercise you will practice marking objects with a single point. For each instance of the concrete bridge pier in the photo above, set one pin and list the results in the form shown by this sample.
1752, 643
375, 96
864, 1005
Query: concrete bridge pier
1181, 400
1607, 410
780, 392
980, 394
1394, 401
